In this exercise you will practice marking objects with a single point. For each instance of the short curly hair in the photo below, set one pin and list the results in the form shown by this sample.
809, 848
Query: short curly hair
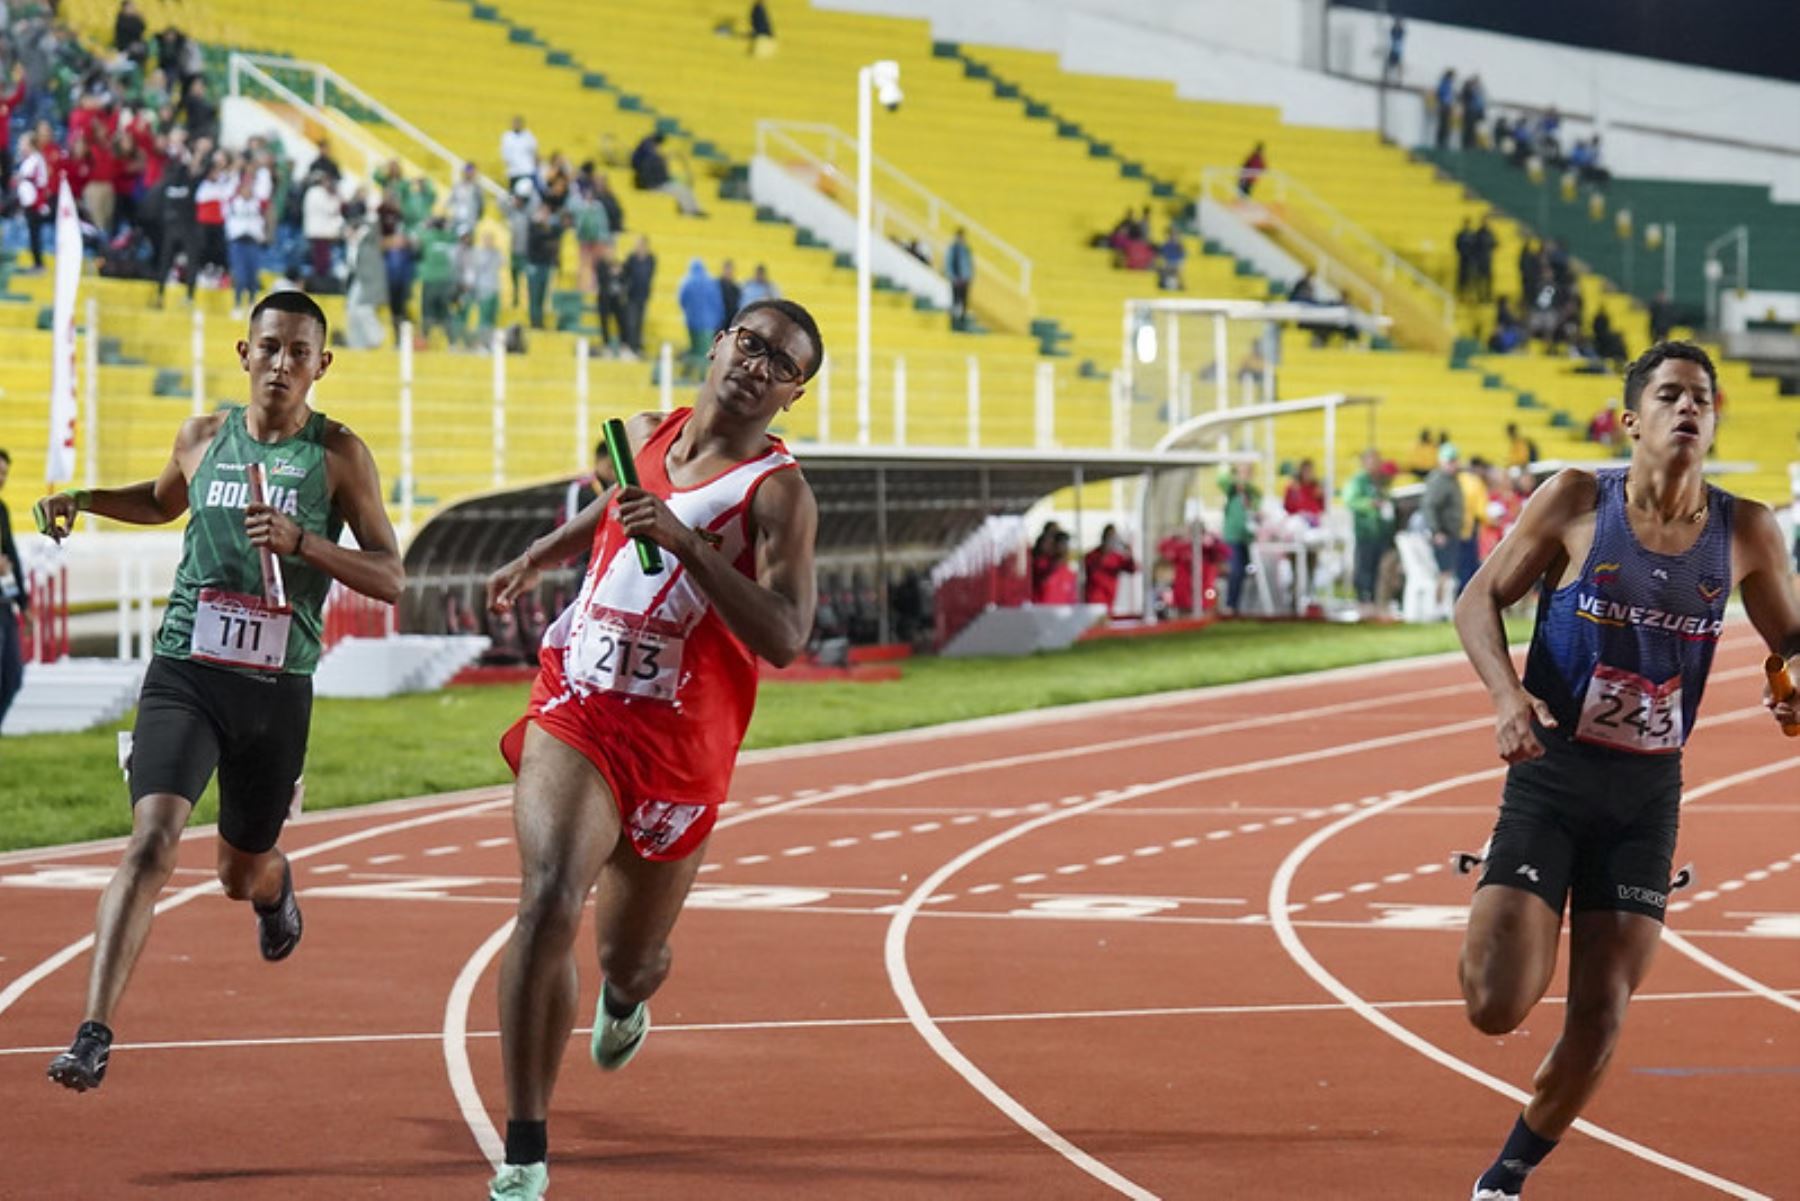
1637, 376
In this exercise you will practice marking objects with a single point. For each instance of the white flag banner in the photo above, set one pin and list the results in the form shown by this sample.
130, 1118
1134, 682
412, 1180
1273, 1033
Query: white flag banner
59, 465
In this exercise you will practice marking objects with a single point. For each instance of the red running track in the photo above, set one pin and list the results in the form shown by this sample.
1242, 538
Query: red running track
1199, 945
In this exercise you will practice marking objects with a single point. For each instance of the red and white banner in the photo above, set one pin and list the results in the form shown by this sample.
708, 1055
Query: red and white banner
59, 465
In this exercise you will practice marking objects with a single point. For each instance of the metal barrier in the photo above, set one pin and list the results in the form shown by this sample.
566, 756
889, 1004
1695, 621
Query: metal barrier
49, 631
350, 614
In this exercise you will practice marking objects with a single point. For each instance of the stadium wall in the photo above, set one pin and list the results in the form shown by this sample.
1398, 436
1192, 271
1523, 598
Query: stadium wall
1658, 119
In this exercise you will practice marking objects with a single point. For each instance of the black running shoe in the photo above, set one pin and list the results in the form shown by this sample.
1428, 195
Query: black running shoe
278, 927
83, 1065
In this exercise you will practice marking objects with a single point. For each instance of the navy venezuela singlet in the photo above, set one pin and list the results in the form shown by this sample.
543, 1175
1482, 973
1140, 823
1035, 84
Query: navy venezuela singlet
1621, 653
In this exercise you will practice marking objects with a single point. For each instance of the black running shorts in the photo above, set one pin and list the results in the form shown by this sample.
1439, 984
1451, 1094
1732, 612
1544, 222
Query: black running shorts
1593, 825
193, 718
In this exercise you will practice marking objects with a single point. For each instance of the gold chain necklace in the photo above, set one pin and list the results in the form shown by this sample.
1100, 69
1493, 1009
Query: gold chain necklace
1694, 518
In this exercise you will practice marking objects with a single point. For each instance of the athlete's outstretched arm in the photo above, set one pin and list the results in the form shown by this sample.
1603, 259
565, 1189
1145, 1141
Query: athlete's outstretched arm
374, 568
772, 614
1769, 598
568, 539
152, 502
1523, 558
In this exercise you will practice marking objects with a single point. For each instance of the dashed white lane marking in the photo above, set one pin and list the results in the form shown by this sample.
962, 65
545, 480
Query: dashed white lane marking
1183, 843
378, 860
329, 869
490, 843
1760, 874
796, 852
884, 835
439, 852
754, 859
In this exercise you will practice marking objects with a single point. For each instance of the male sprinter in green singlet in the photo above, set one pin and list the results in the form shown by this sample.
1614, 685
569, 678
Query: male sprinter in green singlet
230, 686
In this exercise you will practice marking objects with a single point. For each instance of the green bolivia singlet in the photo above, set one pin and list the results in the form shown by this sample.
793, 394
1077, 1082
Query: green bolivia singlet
216, 552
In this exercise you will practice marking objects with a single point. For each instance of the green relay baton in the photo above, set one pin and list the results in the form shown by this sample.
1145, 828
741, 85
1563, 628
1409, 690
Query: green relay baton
618, 449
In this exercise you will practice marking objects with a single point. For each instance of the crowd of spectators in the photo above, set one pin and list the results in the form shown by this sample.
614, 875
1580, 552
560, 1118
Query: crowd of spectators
136, 135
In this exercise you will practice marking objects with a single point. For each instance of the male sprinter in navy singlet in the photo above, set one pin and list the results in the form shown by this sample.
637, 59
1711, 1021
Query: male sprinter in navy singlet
1636, 565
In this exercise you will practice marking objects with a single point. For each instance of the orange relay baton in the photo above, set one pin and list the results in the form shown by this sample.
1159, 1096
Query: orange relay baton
1782, 686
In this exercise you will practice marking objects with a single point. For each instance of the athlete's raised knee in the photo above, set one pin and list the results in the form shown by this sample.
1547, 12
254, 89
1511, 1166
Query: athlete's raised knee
635, 973
1493, 1007
237, 875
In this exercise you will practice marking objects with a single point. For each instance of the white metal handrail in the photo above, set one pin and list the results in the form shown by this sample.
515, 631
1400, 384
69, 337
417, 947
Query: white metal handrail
1331, 272
1392, 263
931, 218
241, 65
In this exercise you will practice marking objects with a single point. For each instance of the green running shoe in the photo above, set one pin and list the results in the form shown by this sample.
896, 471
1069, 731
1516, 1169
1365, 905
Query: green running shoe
519, 1182
616, 1040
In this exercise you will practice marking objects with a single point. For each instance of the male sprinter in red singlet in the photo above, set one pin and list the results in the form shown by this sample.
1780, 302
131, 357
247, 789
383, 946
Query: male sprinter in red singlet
230, 685
647, 683
1636, 565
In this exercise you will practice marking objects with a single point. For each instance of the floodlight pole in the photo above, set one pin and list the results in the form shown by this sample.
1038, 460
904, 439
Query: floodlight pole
865, 125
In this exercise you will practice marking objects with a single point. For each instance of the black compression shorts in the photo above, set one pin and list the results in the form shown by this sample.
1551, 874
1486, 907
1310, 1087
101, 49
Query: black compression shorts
193, 718
1589, 824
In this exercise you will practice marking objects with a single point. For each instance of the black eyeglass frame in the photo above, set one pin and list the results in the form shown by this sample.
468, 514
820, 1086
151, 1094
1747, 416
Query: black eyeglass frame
780, 362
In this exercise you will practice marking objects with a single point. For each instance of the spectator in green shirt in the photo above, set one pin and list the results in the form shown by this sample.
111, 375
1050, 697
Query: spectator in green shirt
437, 277
1372, 521
1242, 498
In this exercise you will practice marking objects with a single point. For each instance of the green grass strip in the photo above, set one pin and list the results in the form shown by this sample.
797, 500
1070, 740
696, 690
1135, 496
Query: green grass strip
67, 787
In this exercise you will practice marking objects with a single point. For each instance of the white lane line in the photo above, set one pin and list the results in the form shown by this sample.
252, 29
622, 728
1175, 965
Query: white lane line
379, 860
328, 869
490, 843
455, 1043
10, 995
1746, 982
900, 974
1681, 945
796, 852
1279, 889
750, 860
1274, 1009
440, 852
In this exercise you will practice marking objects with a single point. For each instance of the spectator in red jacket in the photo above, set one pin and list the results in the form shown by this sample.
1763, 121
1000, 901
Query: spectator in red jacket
1104, 565
1052, 577
1305, 496
1252, 170
9, 104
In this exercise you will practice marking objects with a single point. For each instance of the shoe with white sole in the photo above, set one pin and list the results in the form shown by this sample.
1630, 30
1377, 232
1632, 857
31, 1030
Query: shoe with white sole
616, 1040
519, 1182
